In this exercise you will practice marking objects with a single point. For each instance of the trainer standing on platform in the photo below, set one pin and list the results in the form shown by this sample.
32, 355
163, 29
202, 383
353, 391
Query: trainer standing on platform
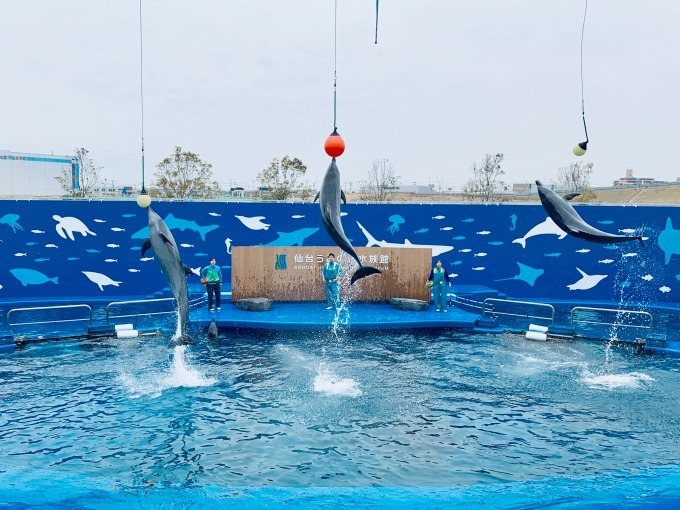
330, 272
439, 280
212, 277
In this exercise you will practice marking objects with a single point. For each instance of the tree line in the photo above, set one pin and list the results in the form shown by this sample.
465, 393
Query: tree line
184, 175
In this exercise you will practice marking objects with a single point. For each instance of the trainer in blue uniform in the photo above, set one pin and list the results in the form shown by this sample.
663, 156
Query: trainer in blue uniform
439, 280
331, 271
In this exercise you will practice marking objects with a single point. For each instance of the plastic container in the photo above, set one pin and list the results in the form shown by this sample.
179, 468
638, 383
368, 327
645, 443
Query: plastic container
536, 335
127, 333
536, 327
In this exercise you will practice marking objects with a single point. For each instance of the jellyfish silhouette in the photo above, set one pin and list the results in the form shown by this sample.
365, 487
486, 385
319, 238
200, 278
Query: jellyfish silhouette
396, 221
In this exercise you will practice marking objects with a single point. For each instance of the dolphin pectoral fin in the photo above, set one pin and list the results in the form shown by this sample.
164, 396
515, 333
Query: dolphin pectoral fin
145, 246
167, 241
187, 269
317, 196
343, 197
642, 233
181, 340
571, 196
364, 271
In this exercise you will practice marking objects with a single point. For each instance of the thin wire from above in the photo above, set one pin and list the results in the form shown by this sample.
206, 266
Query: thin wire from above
335, 67
583, 27
141, 84
376, 20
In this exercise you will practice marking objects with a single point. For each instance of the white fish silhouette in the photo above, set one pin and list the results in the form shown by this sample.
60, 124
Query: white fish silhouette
51, 246
111, 260
134, 270
96, 220
647, 277
480, 254
446, 228
185, 245
440, 217
113, 246
254, 223
465, 250
297, 216
453, 275
146, 259
214, 214
665, 289
606, 261
583, 250
478, 268
117, 229
627, 230
627, 255
38, 231
20, 254
100, 279
587, 281
545, 227
484, 233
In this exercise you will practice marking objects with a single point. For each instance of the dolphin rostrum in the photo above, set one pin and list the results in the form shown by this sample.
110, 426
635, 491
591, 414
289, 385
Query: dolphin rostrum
212, 330
566, 217
329, 200
164, 246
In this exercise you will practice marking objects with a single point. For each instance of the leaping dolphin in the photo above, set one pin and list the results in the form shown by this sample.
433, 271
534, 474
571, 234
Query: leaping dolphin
164, 246
329, 200
566, 217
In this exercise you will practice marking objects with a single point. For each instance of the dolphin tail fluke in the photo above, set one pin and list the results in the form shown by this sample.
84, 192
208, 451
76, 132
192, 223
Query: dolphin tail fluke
642, 233
181, 340
364, 271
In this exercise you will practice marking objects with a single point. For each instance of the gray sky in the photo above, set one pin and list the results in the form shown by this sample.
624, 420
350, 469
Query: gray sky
243, 82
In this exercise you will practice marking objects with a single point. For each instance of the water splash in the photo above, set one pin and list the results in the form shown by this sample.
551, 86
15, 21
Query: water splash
180, 375
632, 380
329, 383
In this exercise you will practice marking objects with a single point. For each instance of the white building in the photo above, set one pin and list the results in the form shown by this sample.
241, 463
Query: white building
23, 174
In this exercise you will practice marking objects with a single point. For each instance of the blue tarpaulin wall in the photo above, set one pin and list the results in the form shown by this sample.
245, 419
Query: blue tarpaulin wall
62, 248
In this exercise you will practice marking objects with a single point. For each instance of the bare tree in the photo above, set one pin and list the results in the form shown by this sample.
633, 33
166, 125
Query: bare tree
185, 175
381, 182
87, 180
281, 178
485, 184
575, 178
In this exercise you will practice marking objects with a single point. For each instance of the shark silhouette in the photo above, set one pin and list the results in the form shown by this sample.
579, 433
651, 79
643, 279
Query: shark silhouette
178, 223
437, 249
295, 238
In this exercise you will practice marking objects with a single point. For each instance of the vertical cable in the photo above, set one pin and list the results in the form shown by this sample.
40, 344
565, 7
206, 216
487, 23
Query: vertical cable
335, 67
376, 20
141, 84
583, 103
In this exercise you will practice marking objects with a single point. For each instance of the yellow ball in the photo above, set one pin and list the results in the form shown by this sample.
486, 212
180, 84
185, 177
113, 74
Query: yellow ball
143, 200
578, 151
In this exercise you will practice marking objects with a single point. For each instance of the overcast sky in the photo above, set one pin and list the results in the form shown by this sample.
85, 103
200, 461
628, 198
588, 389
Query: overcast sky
242, 82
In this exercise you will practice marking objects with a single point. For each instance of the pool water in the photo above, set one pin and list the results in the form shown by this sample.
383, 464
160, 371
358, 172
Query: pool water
320, 412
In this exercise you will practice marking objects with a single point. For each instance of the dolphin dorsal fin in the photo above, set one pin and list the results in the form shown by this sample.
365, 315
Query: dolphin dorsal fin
407, 242
145, 246
168, 241
582, 273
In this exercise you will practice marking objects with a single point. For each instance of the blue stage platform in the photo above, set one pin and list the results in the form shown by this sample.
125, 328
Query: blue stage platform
314, 316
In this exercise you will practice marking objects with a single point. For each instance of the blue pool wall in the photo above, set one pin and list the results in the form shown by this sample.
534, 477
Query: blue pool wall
507, 247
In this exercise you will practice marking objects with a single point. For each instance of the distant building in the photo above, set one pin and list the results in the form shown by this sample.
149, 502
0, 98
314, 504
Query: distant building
629, 180
23, 174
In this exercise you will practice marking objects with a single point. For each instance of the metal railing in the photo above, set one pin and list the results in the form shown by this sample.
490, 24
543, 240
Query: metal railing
493, 310
471, 303
55, 321
109, 316
618, 313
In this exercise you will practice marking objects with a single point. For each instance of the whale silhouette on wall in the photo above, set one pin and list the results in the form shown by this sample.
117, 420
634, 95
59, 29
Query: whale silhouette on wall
565, 216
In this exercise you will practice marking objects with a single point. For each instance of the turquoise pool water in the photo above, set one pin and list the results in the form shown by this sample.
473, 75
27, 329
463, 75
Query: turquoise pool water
427, 419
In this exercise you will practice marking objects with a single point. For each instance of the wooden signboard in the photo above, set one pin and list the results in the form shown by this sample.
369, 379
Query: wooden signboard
294, 273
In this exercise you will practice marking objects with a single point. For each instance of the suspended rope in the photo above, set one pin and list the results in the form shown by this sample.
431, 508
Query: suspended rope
141, 84
581, 148
335, 145
376, 20
143, 199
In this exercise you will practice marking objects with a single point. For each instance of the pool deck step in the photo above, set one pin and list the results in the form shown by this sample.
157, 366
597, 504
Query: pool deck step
314, 316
